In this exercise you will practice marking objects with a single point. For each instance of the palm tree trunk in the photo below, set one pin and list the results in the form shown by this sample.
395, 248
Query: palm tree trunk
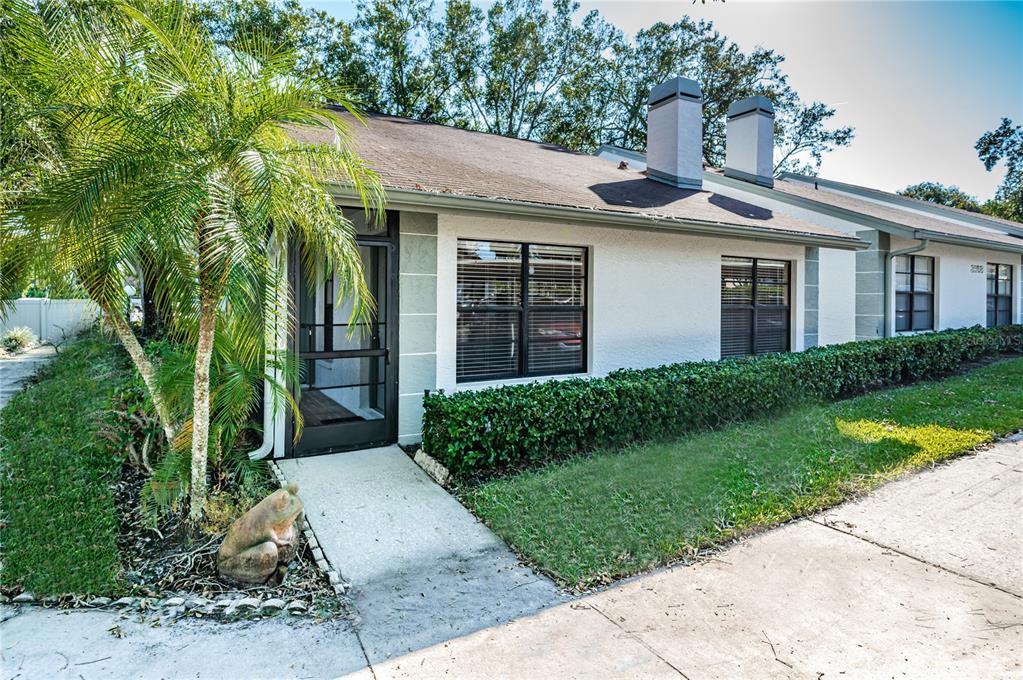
201, 407
143, 366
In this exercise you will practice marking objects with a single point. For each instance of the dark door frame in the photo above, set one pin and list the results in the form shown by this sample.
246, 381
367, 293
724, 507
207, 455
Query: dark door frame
388, 240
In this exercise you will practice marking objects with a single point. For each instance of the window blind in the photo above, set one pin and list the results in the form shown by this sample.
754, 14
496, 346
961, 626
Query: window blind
914, 293
521, 310
999, 294
755, 311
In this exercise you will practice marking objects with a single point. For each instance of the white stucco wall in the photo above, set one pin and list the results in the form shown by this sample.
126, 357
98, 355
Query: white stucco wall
654, 298
837, 307
960, 291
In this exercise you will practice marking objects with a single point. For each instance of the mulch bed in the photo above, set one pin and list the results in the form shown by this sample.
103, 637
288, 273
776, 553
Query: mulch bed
169, 560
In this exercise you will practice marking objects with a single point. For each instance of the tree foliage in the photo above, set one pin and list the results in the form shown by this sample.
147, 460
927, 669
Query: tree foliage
942, 194
536, 70
1004, 144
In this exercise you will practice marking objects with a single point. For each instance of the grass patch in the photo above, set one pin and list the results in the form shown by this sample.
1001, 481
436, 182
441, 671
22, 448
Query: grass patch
615, 513
59, 472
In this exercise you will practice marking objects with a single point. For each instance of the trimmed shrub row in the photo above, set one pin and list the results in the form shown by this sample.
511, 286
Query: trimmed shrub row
475, 433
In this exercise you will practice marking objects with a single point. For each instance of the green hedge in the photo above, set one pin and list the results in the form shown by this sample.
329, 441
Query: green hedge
475, 433
60, 463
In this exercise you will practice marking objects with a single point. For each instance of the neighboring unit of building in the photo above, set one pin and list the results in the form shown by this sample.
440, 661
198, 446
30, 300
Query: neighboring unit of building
503, 260
928, 267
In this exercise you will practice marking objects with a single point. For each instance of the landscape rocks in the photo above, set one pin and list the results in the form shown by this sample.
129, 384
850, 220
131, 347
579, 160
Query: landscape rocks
199, 603
180, 605
222, 605
271, 606
432, 467
246, 603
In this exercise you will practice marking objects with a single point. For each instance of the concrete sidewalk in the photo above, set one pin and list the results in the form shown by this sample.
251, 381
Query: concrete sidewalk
920, 579
423, 569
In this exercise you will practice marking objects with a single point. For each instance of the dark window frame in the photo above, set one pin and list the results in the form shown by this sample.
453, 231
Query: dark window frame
1006, 299
754, 306
913, 294
523, 310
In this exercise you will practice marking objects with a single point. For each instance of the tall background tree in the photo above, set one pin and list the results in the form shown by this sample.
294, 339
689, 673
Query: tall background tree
536, 70
1004, 144
942, 194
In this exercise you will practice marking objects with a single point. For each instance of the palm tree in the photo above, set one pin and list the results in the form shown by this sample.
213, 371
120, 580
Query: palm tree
194, 154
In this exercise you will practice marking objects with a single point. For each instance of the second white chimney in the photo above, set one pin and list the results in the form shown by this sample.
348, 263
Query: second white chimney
749, 141
674, 134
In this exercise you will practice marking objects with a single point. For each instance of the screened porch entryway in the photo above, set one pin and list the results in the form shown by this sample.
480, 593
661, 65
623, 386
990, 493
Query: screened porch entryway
347, 391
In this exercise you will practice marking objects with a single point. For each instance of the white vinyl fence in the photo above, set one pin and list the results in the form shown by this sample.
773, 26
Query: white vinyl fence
51, 320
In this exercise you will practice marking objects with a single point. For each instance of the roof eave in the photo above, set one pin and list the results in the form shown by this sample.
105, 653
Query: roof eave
399, 199
912, 204
893, 228
952, 239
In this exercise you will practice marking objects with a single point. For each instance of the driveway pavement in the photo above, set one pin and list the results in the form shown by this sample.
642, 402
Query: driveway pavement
919, 579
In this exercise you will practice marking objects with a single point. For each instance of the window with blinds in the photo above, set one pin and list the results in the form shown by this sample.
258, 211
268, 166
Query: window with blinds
755, 310
914, 293
999, 294
521, 310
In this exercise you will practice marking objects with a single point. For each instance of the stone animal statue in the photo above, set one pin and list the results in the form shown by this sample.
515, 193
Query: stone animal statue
260, 544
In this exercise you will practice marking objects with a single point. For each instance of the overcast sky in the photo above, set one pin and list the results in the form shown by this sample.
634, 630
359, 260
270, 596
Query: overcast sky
920, 81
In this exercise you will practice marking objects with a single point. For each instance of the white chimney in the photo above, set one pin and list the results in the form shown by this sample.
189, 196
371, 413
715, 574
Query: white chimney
674, 134
749, 141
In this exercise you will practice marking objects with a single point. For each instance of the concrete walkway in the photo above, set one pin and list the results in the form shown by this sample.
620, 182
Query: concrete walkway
919, 579
48, 644
423, 569
15, 370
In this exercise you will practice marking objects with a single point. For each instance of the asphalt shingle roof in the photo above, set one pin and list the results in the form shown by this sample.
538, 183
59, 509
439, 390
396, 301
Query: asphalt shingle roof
890, 213
953, 212
438, 159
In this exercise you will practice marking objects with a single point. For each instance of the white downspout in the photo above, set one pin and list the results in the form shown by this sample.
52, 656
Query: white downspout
889, 282
269, 399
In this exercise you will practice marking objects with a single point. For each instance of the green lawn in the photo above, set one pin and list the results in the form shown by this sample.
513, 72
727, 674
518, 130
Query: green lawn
59, 474
595, 519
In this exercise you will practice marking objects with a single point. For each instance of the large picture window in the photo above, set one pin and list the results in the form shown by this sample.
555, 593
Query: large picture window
521, 310
999, 294
914, 293
754, 306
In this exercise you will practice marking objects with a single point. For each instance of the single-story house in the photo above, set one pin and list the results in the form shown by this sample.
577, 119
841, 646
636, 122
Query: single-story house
502, 260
